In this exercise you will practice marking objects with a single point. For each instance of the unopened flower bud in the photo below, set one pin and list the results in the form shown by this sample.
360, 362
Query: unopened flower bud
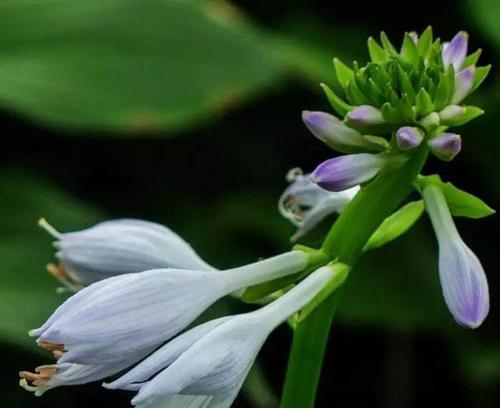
451, 113
464, 81
431, 121
343, 172
455, 51
445, 146
337, 134
408, 137
365, 115
463, 281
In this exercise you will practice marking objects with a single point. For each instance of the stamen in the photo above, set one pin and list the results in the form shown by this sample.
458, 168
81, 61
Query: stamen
42, 222
47, 345
61, 274
39, 379
57, 354
293, 174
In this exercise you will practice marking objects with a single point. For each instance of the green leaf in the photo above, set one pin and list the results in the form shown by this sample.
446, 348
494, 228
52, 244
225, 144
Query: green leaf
337, 103
461, 203
344, 73
377, 53
396, 225
27, 292
126, 64
391, 114
424, 103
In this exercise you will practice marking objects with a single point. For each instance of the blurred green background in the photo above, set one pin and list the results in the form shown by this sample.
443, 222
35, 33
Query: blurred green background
187, 113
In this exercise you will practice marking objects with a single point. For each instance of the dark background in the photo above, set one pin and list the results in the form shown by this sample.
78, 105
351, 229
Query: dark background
216, 181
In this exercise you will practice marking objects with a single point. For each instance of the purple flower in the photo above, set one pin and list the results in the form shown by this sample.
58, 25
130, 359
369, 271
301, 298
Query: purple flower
445, 146
408, 137
463, 280
455, 51
464, 81
348, 171
336, 134
365, 115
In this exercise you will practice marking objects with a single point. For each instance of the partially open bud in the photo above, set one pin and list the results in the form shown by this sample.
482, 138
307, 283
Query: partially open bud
455, 51
365, 115
408, 138
464, 82
445, 146
451, 114
463, 280
336, 134
348, 171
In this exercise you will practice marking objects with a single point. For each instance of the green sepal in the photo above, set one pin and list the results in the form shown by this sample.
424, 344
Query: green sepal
470, 113
404, 81
391, 114
407, 109
424, 42
377, 140
377, 53
375, 92
480, 75
409, 52
343, 72
444, 89
472, 59
341, 272
461, 203
396, 225
337, 103
254, 294
424, 103
354, 94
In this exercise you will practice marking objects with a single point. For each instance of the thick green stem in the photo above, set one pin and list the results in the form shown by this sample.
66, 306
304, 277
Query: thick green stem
344, 242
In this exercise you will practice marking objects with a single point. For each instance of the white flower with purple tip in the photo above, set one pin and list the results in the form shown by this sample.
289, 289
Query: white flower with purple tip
305, 204
408, 138
343, 172
445, 146
455, 51
463, 280
365, 115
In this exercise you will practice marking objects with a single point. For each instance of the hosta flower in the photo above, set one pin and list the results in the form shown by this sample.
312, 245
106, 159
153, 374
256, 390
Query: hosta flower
205, 367
463, 280
117, 247
464, 82
455, 51
337, 134
126, 317
445, 146
365, 115
408, 138
305, 204
343, 172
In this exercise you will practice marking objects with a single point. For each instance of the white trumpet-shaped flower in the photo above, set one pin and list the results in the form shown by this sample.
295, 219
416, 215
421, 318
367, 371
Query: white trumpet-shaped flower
206, 366
117, 247
126, 317
305, 204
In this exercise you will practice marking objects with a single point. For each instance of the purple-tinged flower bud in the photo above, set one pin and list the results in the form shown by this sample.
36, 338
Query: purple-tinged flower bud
408, 137
343, 172
336, 134
455, 51
365, 115
451, 113
464, 81
463, 280
430, 122
445, 146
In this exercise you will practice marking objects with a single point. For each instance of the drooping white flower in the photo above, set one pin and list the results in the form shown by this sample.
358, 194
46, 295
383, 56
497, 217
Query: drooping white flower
126, 317
463, 281
116, 247
305, 204
206, 366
